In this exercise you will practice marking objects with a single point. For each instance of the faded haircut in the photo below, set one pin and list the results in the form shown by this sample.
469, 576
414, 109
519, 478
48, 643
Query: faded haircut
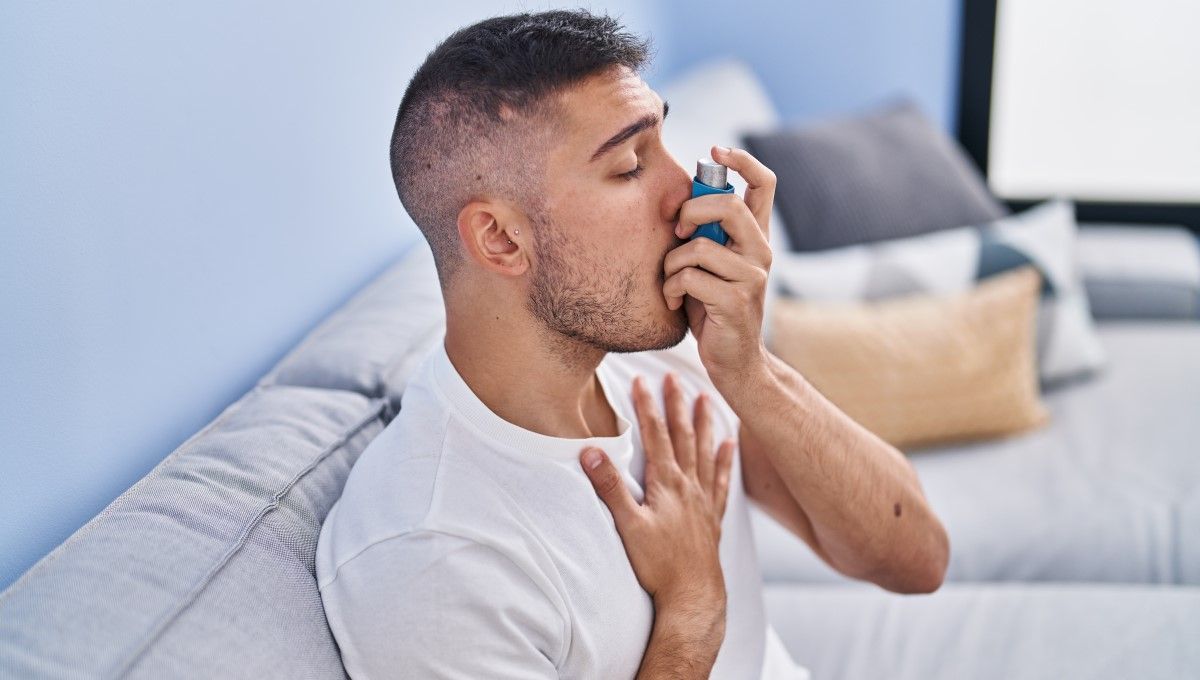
478, 118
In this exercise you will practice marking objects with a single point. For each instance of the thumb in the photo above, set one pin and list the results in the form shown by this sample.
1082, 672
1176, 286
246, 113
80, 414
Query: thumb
608, 484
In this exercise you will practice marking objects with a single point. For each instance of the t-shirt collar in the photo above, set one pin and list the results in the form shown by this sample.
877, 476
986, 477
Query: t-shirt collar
499, 431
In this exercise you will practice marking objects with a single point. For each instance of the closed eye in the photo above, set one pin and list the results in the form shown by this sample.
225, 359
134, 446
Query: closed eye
632, 174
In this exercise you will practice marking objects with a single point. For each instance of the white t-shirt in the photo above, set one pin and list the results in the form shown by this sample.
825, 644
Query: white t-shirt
464, 546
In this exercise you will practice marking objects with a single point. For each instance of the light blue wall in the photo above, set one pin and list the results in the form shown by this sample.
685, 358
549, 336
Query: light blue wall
821, 59
185, 190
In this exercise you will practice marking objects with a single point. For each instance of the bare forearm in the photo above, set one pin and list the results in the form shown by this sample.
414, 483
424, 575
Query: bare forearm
684, 641
861, 495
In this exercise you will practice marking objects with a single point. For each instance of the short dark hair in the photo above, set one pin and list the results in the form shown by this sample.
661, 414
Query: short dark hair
478, 107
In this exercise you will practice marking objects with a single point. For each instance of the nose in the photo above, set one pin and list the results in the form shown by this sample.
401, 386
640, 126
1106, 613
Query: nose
679, 189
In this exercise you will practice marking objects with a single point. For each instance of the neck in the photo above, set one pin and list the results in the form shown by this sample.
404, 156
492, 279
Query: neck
531, 377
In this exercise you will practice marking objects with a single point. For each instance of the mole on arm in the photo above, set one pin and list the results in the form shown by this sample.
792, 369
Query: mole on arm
896, 509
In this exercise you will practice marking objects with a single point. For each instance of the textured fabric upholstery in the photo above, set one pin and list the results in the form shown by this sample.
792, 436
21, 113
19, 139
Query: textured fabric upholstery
372, 343
1140, 272
924, 368
204, 568
990, 631
952, 260
1108, 491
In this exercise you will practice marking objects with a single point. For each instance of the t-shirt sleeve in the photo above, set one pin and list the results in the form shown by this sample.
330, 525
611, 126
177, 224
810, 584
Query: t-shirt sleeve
435, 605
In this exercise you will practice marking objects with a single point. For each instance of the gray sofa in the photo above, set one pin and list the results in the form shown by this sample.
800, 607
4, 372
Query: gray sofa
1074, 550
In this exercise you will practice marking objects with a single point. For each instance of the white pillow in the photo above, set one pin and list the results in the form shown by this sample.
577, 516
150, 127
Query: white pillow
953, 260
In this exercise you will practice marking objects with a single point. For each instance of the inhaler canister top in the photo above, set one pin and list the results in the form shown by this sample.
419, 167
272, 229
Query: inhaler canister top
711, 173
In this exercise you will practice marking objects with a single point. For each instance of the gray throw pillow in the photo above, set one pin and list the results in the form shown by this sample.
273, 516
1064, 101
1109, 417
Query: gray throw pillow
885, 174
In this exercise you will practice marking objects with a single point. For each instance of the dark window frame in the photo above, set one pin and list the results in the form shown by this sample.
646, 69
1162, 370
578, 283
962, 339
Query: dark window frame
977, 48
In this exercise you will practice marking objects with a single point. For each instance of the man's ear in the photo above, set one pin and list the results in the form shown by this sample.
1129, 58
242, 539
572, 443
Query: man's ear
491, 233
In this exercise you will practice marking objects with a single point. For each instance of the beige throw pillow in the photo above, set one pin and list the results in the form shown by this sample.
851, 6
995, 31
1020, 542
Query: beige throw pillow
923, 369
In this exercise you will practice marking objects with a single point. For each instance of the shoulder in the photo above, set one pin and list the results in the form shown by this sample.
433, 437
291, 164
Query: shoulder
408, 481
406, 504
411, 600
426, 555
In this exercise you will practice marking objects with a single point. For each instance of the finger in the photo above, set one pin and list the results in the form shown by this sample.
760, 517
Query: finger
760, 182
705, 460
713, 257
609, 486
653, 428
736, 218
683, 435
722, 474
712, 290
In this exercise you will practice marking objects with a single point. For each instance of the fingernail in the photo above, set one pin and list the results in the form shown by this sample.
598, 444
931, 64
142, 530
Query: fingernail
591, 458
679, 230
722, 149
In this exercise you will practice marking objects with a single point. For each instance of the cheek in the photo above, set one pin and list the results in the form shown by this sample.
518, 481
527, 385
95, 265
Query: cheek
614, 232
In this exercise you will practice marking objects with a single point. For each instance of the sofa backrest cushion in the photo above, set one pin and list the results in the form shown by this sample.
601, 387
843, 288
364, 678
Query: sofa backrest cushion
203, 568
371, 344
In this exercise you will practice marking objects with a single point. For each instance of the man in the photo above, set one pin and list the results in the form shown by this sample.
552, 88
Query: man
474, 537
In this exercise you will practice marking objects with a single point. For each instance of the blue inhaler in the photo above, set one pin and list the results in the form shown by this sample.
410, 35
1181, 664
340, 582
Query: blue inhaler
710, 179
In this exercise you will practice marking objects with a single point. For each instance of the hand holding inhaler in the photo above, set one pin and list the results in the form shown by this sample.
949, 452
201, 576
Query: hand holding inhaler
721, 279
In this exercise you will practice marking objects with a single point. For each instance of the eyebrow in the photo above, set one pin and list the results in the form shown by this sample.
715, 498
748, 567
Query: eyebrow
647, 121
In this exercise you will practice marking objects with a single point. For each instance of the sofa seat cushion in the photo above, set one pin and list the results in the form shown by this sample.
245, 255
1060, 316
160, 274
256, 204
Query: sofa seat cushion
984, 631
1109, 491
204, 568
